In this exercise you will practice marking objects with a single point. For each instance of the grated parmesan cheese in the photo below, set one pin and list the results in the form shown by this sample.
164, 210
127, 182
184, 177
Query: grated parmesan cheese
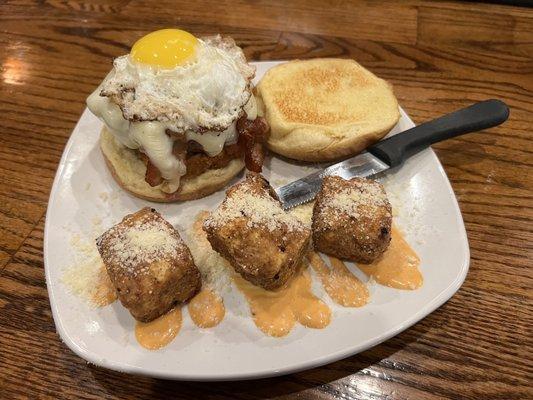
215, 270
88, 278
259, 209
304, 213
91, 282
135, 245
349, 200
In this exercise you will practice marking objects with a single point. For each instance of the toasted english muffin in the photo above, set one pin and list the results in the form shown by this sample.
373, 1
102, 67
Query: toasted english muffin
129, 170
325, 109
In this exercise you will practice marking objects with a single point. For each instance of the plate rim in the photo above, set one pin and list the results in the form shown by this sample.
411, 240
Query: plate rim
85, 354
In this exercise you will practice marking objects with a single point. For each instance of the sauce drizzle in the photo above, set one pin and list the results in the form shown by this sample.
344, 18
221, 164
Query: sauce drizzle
340, 284
276, 312
159, 332
397, 267
103, 292
206, 309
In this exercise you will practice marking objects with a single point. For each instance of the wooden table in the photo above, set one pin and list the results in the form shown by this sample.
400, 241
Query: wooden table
440, 56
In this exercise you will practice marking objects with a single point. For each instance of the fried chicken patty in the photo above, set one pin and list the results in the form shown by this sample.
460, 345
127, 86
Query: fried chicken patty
252, 135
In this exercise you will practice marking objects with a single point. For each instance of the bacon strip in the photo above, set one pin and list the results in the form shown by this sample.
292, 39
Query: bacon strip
153, 176
252, 135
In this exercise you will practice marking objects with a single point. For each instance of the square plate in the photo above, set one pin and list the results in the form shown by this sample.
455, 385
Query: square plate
79, 205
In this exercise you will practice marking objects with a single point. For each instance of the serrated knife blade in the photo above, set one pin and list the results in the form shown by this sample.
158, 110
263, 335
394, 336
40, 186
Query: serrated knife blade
305, 189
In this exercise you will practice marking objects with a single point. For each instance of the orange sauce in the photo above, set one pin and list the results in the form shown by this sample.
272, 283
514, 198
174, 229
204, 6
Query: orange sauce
159, 332
340, 284
103, 292
276, 312
397, 267
206, 309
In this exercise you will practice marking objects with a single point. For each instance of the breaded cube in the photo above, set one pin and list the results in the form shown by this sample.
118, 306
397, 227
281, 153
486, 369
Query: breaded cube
352, 219
149, 264
260, 240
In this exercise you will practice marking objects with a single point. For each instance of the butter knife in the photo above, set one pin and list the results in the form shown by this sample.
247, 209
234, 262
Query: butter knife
393, 151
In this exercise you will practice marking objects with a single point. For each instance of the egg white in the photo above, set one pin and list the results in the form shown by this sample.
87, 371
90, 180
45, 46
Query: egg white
207, 93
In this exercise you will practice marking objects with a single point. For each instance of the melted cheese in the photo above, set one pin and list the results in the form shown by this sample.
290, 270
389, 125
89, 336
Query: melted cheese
213, 142
148, 136
152, 139
157, 145
111, 115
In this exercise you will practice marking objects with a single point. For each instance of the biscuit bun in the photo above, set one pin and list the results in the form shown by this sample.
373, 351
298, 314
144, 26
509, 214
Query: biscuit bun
129, 170
325, 109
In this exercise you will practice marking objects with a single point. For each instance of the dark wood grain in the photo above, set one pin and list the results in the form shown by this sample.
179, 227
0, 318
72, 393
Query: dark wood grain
440, 56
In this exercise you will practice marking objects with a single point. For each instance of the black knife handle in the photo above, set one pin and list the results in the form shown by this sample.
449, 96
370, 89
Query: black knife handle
476, 117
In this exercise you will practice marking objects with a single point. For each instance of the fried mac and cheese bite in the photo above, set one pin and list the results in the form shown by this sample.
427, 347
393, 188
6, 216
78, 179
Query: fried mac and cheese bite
261, 241
352, 219
149, 264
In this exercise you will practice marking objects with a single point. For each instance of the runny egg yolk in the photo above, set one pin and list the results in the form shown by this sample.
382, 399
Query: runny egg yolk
166, 48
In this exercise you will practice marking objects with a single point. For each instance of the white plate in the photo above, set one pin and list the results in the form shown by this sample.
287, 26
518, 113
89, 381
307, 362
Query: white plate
236, 349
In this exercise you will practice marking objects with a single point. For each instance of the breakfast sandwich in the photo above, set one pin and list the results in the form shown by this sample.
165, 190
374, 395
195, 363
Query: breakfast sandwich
325, 109
262, 242
149, 264
352, 219
179, 116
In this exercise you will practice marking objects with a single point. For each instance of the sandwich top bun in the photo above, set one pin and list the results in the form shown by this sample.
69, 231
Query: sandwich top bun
325, 109
129, 170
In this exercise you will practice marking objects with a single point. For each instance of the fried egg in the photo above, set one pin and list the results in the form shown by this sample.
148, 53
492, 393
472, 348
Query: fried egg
166, 48
172, 77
